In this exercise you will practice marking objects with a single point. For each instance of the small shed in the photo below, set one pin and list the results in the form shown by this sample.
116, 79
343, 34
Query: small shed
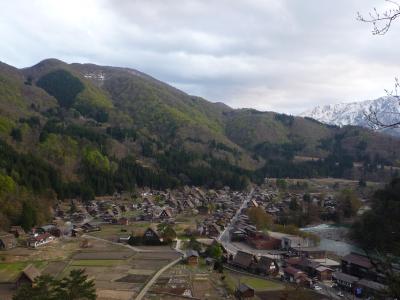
17, 231
7, 241
192, 257
324, 273
27, 276
244, 291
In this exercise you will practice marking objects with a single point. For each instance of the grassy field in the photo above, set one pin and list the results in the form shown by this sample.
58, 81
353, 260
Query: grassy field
114, 231
10, 271
232, 281
96, 262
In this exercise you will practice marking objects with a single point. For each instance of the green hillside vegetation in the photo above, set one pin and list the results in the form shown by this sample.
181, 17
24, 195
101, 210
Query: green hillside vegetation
79, 130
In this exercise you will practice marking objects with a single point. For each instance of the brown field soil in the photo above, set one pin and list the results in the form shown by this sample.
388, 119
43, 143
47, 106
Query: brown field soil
54, 268
149, 264
104, 255
103, 294
168, 254
112, 232
57, 250
131, 278
202, 283
203, 289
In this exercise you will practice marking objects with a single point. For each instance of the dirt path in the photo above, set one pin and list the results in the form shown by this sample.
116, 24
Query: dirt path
155, 277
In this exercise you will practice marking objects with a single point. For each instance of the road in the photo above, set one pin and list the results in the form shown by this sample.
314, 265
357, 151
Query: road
332, 293
154, 279
224, 237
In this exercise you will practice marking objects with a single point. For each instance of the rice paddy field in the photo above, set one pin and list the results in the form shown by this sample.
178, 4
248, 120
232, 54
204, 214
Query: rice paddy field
118, 271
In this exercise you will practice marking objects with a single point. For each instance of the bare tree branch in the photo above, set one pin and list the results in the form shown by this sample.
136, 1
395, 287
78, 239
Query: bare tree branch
376, 119
381, 21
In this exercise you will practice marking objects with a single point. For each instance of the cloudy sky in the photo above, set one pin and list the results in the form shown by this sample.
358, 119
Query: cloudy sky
281, 55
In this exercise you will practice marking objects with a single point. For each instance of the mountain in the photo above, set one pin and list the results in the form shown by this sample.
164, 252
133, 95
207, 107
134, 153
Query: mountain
79, 130
354, 113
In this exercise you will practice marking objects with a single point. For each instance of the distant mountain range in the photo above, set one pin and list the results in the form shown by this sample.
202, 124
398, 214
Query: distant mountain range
354, 113
83, 129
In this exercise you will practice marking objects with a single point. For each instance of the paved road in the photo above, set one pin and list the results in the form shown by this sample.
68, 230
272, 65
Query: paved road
332, 293
224, 237
154, 279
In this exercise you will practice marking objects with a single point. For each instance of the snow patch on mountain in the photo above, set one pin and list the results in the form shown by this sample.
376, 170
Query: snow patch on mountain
354, 113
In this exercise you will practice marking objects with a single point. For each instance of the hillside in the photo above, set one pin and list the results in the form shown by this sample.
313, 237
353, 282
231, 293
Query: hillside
75, 130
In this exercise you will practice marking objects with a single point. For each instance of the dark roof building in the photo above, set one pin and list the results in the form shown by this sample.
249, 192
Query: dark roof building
358, 265
345, 280
7, 241
151, 237
370, 288
244, 291
27, 276
243, 260
266, 265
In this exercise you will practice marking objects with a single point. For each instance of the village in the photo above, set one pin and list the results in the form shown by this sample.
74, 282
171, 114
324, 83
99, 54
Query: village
194, 243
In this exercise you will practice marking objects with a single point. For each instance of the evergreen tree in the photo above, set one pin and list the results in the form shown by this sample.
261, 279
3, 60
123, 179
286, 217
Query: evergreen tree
28, 217
44, 288
214, 251
76, 287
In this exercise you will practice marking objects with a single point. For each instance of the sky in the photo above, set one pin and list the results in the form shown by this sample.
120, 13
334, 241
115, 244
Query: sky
280, 55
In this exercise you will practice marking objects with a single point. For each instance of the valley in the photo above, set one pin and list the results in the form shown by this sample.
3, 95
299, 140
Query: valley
152, 193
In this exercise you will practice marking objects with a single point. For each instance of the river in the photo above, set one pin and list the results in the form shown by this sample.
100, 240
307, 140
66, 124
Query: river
333, 238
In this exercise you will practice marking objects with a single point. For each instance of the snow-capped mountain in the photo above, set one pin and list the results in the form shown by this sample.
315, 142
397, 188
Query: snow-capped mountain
354, 113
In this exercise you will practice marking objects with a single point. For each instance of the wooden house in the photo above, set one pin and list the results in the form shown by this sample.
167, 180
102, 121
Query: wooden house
324, 273
165, 214
87, 227
253, 203
267, 266
17, 231
359, 266
192, 257
27, 276
244, 292
345, 281
187, 204
213, 230
7, 241
151, 237
296, 276
243, 260
368, 288
123, 221
39, 240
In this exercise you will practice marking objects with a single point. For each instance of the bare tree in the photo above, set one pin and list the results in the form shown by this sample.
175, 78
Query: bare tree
379, 120
382, 21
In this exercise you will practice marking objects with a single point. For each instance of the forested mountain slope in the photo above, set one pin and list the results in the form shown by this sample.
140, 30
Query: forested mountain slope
75, 130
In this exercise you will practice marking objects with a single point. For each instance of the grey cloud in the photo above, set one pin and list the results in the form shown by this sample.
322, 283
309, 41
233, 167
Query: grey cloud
285, 55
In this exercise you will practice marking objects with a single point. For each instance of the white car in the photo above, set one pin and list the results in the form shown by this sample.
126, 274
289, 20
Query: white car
340, 294
317, 288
